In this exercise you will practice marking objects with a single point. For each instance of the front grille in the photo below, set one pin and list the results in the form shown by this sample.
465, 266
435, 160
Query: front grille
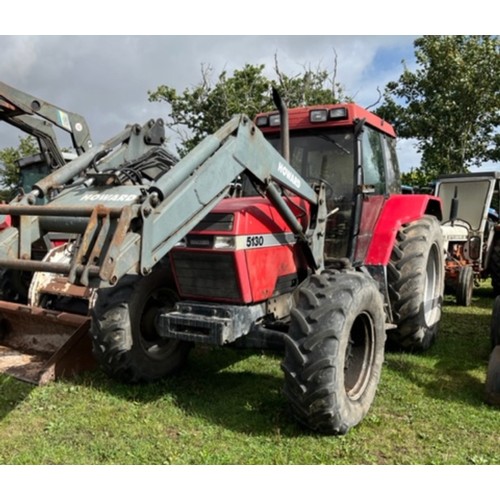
208, 275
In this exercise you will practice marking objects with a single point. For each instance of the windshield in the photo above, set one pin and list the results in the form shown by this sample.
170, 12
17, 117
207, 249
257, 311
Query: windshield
473, 195
328, 155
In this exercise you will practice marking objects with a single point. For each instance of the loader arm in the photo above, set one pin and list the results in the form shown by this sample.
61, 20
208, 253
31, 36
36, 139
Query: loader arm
43, 131
134, 227
205, 176
20, 110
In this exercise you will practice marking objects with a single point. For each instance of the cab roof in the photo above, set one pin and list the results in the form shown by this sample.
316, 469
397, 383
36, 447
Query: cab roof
346, 114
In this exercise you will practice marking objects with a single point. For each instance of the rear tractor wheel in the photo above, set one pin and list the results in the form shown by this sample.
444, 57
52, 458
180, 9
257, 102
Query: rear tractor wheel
334, 351
492, 388
495, 324
416, 284
494, 266
125, 340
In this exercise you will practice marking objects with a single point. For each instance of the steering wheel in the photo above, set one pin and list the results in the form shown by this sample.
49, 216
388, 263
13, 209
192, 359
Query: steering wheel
329, 192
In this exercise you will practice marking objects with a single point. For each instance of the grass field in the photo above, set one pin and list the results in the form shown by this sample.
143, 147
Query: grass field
227, 407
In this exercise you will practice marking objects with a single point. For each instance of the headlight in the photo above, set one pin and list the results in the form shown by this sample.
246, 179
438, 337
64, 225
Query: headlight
475, 248
318, 115
224, 242
262, 121
337, 113
274, 120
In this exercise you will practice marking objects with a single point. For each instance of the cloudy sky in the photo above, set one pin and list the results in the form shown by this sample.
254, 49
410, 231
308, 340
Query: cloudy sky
106, 78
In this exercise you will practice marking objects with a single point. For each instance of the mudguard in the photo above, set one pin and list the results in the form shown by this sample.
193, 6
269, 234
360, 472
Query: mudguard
397, 211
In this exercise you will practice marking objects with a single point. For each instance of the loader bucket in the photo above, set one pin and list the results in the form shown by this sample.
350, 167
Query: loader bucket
39, 345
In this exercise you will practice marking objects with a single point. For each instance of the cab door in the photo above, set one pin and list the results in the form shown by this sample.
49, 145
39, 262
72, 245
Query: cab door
378, 176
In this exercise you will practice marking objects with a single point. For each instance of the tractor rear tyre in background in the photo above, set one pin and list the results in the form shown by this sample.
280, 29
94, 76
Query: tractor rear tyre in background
492, 392
494, 266
123, 329
334, 350
465, 286
495, 323
416, 284
492, 388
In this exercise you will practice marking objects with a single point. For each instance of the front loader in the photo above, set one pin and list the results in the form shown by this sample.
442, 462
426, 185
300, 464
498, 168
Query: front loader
244, 241
29, 356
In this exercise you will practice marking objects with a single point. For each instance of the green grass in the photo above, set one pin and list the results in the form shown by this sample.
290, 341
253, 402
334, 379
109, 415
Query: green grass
227, 407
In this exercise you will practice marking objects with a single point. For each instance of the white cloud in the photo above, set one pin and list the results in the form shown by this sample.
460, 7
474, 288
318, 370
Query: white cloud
106, 78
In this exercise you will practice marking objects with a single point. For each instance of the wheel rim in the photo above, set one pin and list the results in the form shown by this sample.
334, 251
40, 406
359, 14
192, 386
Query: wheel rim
360, 353
431, 288
155, 346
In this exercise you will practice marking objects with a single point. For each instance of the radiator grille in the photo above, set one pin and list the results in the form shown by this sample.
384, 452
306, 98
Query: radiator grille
209, 275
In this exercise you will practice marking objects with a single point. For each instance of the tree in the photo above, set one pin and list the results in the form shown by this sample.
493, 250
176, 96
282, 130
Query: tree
9, 171
450, 104
203, 109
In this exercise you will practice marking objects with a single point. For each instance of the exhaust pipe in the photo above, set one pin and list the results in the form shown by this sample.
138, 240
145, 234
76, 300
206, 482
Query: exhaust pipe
285, 128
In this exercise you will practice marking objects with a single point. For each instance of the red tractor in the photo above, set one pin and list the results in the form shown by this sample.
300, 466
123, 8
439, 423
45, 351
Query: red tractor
289, 229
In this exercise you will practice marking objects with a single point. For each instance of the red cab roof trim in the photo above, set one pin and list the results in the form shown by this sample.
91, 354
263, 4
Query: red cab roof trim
299, 118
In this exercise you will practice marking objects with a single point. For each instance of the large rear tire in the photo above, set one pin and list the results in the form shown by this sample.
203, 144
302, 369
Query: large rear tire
495, 323
123, 329
416, 284
334, 351
492, 386
494, 266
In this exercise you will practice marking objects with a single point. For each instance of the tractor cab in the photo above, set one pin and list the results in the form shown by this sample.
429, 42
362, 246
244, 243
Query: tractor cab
353, 152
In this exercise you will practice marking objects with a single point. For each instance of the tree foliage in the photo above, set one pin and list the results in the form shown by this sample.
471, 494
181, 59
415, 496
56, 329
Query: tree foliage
450, 103
9, 171
201, 110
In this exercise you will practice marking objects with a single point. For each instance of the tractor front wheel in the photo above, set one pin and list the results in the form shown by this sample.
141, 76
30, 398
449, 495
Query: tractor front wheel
334, 351
416, 284
465, 286
125, 340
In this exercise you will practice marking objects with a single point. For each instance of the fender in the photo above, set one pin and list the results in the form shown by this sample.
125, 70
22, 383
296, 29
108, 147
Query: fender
398, 210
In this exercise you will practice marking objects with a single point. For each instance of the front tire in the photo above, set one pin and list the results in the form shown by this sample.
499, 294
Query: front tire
334, 351
123, 329
465, 286
416, 284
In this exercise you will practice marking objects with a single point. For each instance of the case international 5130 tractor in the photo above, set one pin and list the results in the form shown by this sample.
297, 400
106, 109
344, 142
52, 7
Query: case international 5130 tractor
236, 243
